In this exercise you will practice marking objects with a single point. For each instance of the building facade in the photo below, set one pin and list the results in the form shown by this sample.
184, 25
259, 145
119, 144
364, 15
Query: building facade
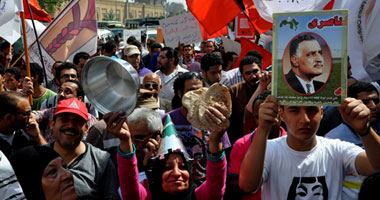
118, 10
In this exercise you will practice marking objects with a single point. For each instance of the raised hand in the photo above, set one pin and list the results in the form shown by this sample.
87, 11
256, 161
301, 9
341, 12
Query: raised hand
118, 127
268, 114
356, 114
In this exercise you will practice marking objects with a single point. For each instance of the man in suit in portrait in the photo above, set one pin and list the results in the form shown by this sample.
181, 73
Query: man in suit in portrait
307, 63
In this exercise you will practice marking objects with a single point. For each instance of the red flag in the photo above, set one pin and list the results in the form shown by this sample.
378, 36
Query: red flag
213, 14
247, 45
206, 36
38, 13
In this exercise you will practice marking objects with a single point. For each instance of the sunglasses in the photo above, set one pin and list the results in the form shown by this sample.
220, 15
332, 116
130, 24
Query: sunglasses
154, 85
188, 75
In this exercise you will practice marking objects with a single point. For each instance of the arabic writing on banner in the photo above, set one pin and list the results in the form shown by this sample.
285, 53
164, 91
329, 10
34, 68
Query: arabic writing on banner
181, 28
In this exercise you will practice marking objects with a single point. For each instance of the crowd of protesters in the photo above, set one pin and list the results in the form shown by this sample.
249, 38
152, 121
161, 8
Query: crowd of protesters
61, 147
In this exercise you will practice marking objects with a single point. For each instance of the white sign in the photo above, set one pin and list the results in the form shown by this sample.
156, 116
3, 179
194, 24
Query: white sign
181, 28
131, 32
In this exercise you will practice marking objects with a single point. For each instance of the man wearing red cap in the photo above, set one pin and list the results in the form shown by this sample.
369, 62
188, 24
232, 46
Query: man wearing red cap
94, 174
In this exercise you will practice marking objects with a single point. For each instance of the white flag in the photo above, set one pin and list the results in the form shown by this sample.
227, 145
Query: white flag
10, 31
7, 11
266, 8
19, 6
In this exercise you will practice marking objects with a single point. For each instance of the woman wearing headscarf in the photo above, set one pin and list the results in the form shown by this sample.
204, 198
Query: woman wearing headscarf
42, 174
171, 172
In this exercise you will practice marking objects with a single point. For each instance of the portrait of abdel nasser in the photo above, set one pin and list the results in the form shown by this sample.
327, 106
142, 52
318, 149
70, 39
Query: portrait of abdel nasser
307, 62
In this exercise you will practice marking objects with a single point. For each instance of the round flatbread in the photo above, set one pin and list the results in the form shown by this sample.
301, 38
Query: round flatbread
197, 101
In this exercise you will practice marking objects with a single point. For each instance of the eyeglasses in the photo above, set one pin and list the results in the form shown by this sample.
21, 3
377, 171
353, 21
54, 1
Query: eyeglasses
142, 138
26, 113
154, 85
375, 101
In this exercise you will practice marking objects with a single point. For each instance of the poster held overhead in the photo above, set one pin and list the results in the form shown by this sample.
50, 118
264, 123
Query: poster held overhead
310, 57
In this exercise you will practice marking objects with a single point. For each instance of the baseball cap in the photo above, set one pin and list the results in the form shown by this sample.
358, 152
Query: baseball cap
131, 50
73, 106
147, 99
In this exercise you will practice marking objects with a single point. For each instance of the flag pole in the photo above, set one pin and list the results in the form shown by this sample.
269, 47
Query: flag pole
37, 40
26, 51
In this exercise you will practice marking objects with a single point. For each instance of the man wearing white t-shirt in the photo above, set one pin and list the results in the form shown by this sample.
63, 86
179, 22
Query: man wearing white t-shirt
169, 70
301, 164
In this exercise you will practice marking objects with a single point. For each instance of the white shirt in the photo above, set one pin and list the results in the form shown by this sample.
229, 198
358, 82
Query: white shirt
167, 81
303, 83
323, 167
231, 77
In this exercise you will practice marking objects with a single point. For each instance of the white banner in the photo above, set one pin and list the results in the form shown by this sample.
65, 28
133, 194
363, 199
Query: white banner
181, 28
10, 31
7, 11
267, 7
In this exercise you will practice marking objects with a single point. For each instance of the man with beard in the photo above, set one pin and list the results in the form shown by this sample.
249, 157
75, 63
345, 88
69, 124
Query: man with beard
211, 67
17, 128
307, 63
250, 68
94, 174
169, 70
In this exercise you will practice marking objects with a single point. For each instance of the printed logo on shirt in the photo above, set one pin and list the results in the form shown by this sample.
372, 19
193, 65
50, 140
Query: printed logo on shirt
308, 188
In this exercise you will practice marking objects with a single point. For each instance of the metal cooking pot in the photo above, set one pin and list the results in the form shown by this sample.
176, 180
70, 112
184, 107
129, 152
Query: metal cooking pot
110, 84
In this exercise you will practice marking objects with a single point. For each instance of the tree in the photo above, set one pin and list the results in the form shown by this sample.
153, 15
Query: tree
51, 6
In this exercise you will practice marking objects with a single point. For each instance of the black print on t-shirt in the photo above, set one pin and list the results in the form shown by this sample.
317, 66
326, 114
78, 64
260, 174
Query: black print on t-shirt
314, 188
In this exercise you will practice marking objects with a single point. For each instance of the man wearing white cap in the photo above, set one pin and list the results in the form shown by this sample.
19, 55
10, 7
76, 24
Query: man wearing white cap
132, 56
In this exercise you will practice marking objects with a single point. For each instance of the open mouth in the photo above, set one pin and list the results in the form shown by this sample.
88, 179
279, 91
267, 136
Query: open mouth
69, 132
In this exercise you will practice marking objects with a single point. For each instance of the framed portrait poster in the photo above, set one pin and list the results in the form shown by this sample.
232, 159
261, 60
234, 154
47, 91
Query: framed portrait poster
310, 57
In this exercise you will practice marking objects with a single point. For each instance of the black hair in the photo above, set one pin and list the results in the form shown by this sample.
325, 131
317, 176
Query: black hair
36, 69
14, 71
80, 91
294, 44
131, 39
15, 57
254, 53
65, 65
179, 85
109, 46
136, 43
247, 61
209, 60
370, 187
9, 101
261, 97
354, 89
2, 69
80, 55
228, 56
155, 46
171, 53
5, 45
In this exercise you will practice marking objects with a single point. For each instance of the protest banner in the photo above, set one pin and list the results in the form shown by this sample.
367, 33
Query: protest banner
72, 31
310, 57
181, 28
131, 32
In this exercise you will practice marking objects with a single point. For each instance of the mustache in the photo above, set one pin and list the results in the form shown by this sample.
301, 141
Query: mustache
76, 132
